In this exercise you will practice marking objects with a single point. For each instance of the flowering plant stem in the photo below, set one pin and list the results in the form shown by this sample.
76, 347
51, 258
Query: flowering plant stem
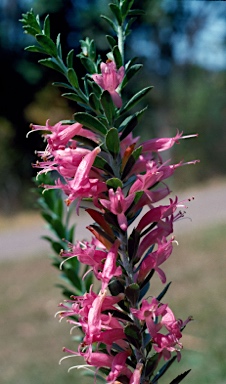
129, 338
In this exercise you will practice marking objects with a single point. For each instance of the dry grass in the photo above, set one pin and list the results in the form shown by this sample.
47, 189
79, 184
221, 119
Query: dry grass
31, 338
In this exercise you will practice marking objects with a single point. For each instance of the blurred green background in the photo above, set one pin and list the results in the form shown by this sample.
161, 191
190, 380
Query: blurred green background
182, 45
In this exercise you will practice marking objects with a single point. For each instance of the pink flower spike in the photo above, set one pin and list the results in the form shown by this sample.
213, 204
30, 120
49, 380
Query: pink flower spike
110, 79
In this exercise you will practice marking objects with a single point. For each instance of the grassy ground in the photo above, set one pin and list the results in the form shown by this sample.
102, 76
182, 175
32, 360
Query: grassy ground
31, 338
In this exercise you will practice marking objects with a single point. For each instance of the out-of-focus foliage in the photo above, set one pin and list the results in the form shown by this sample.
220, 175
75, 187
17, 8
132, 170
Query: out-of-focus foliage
168, 38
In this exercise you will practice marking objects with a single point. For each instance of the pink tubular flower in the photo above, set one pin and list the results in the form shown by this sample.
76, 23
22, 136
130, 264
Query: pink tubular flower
118, 205
110, 79
154, 259
165, 344
60, 134
164, 143
82, 185
135, 378
149, 313
110, 269
118, 367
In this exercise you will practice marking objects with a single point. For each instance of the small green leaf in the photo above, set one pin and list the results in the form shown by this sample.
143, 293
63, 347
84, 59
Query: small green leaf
97, 89
133, 243
163, 369
180, 377
144, 290
131, 161
135, 99
116, 12
126, 5
111, 41
73, 96
112, 141
50, 63
94, 102
128, 25
132, 292
46, 26
133, 335
69, 58
136, 12
72, 77
108, 106
130, 123
47, 44
88, 64
109, 21
130, 73
100, 163
90, 122
152, 364
35, 48
114, 183
58, 46
162, 294
92, 50
61, 84
117, 56
116, 286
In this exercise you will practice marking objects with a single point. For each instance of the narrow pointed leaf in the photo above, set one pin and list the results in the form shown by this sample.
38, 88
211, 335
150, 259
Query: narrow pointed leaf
99, 219
130, 123
92, 50
179, 378
116, 12
126, 5
132, 333
73, 96
135, 99
109, 21
163, 370
136, 12
162, 294
130, 73
112, 141
117, 56
46, 26
132, 292
94, 102
61, 84
131, 161
58, 46
88, 64
108, 106
101, 163
101, 236
72, 77
69, 58
50, 63
111, 41
47, 44
90, 122
35, 48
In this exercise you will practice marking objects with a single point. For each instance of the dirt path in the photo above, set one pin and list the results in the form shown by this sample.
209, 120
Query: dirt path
20, 236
